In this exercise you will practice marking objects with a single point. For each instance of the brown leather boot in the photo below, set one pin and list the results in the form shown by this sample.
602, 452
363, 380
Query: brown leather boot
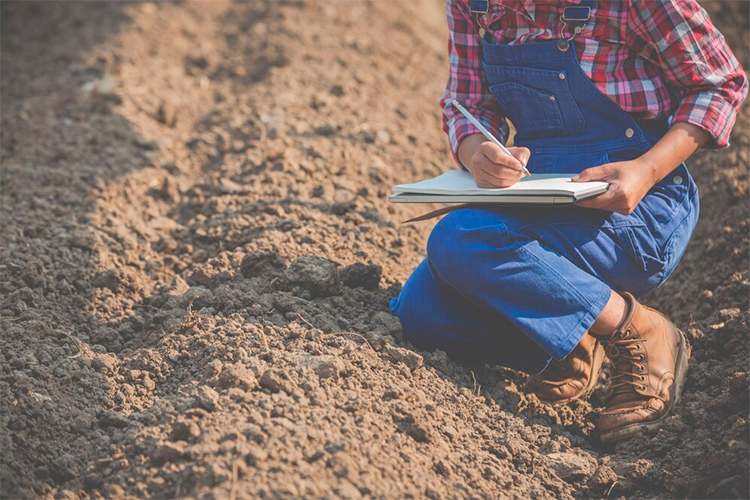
649, 357
571, 378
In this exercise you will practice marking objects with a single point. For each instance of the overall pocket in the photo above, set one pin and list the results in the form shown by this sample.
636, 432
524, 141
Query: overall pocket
538, 102
640, 244
678, 241
527, 108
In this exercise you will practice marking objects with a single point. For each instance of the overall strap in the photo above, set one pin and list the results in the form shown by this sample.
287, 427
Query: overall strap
580, 13
576, 16
479, 9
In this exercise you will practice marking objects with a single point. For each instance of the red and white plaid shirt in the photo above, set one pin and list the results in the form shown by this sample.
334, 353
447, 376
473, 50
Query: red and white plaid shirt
653, 58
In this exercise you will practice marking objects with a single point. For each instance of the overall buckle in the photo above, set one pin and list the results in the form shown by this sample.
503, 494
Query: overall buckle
479, 9
577, 14
479, 6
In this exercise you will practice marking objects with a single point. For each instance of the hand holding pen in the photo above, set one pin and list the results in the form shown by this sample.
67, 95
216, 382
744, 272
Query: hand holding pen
491, 164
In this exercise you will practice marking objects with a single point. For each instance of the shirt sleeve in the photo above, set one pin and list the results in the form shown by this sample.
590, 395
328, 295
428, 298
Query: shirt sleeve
466, 81
696, 62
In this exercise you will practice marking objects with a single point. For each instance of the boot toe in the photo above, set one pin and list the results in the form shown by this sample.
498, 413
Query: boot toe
570, 378
626, 420
556, 393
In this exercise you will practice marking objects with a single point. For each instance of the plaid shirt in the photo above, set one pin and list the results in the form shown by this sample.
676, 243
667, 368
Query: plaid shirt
653, 58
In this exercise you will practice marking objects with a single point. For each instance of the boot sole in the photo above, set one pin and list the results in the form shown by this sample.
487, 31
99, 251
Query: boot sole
593, 380
683, 357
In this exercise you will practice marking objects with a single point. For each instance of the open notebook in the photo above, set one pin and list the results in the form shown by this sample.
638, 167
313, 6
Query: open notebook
459, 187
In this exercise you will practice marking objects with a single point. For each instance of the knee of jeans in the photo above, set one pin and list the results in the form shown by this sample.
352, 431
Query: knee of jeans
455, 240
443, 247
414, 317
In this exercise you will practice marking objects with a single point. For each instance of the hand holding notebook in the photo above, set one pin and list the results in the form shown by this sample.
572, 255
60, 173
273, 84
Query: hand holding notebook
459, 187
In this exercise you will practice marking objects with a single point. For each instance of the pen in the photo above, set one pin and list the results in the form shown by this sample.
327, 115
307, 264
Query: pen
486, 133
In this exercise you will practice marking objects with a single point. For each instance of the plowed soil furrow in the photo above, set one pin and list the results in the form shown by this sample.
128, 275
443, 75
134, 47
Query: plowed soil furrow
197, 256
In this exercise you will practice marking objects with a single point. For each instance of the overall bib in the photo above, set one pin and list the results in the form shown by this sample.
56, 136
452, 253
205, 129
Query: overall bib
519, 286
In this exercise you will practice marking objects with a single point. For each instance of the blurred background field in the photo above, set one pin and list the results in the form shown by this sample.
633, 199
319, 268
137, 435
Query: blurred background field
197, 254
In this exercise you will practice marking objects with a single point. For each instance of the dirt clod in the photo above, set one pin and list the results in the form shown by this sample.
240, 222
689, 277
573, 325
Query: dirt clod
167, 452
236, 375
206, 398
572, 467
359, 275
185, 430
315, 274
386, 324
409, 358
261, 263
276, 381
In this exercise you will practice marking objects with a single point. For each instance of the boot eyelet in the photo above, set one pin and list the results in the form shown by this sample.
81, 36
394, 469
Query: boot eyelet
641, 368
642, 378
638, 347
628, 331
643, 387
642, 357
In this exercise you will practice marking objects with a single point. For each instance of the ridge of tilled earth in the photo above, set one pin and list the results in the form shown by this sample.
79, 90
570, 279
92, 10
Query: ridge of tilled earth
200, 258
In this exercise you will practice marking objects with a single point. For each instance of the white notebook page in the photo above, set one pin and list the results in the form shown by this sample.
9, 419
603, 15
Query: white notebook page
456, 182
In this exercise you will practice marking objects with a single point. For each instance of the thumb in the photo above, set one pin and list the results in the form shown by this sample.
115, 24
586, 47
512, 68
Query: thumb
522, 154
590, 174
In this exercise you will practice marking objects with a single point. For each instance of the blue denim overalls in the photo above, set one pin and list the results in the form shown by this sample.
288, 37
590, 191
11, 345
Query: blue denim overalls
517, 286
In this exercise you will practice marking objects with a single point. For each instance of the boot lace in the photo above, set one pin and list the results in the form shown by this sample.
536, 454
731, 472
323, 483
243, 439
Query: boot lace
627, 355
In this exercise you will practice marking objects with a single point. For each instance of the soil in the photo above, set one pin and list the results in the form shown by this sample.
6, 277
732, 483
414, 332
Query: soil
197, 257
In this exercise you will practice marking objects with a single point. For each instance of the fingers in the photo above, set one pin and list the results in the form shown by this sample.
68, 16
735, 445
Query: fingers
491, 182
610, 200
492, 167
488, 178
521, 154
497, 156
498, 170
599, 173
599, 202
490, 174
606, 201
584, 176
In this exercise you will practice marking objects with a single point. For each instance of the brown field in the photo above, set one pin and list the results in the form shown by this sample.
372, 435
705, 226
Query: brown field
197, 254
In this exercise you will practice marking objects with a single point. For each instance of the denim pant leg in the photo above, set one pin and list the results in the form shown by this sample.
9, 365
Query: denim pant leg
549, 272
434, 316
